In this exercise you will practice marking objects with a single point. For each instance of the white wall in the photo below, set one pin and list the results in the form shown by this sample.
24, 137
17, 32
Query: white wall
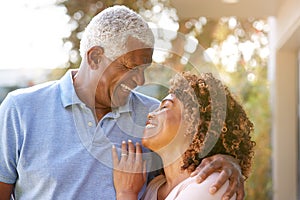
285, 40
284, 133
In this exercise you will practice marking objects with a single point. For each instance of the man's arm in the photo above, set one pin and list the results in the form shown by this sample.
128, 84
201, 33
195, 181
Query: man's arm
229, 170
8, 140
5, 191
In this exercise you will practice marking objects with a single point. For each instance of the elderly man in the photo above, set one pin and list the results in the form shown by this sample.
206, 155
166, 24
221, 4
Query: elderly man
56, 137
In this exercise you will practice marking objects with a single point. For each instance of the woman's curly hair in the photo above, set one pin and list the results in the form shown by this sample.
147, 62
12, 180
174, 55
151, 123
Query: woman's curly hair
218, 124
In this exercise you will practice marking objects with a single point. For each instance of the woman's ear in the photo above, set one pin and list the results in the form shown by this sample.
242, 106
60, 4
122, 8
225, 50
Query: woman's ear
94, 57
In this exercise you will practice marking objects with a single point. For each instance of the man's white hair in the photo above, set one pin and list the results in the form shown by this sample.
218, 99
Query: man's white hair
110, 30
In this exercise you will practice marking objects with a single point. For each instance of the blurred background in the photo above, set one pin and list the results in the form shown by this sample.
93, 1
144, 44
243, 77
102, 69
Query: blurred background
254, 45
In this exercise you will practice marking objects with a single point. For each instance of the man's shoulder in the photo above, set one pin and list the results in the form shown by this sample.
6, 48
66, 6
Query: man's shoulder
33, 93
34, 89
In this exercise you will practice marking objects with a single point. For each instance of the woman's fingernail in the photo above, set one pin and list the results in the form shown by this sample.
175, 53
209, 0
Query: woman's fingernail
129, 141
113, 146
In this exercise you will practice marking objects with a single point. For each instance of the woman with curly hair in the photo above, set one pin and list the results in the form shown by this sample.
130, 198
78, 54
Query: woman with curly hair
199, 118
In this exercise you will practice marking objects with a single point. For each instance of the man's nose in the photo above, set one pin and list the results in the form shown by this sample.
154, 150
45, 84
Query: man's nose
139, 77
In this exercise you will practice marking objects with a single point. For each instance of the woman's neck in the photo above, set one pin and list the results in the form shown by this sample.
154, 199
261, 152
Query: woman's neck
174, 175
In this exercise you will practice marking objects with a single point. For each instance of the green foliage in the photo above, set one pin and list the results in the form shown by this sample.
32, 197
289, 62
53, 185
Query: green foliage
238, 49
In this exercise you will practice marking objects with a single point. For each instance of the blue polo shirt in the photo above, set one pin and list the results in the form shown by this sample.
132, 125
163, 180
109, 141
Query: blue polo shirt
51, 146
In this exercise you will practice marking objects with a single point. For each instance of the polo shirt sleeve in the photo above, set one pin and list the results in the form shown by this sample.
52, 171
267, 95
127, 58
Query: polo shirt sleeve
9, 131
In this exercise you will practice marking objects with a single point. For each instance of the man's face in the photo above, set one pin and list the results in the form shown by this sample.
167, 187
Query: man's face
121, 76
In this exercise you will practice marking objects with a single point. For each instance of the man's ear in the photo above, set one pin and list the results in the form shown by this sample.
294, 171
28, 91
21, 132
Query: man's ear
94, 56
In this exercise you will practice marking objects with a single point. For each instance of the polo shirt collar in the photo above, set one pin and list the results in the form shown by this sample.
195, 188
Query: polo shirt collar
67, 91
69, 96
125, 108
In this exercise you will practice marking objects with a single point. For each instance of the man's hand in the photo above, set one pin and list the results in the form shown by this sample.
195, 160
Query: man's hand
229, 170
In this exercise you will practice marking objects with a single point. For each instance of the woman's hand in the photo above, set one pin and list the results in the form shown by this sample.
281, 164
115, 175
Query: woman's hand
229, 170
129, 173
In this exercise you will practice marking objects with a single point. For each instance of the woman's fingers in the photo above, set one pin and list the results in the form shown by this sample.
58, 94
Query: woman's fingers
115, 156
129, 173
131, 157
139, 153
131, 151
124, 153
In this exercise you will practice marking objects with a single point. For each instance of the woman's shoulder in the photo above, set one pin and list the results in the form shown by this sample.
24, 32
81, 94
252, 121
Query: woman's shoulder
152, 187
190, 189
157, 181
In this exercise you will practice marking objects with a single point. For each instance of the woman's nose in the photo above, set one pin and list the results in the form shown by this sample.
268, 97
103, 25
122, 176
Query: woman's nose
150, 115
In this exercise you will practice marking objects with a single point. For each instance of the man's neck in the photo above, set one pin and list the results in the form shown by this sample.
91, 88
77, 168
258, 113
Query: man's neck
101, 112
84, 89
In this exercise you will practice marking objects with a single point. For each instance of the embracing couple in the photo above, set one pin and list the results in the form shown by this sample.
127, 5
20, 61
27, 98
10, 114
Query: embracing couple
56, 137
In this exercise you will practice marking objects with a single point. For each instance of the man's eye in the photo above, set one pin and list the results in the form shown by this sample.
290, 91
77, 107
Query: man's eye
126, 68
130, 68
134, 69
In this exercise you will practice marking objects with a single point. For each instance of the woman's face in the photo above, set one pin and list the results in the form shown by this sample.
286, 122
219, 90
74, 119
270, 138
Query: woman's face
164, 125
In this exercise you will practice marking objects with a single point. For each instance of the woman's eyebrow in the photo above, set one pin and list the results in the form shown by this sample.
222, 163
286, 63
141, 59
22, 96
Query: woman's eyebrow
164, 100
169, 97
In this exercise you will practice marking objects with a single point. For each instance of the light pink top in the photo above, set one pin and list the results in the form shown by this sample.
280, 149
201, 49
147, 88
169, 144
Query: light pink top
187, 189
